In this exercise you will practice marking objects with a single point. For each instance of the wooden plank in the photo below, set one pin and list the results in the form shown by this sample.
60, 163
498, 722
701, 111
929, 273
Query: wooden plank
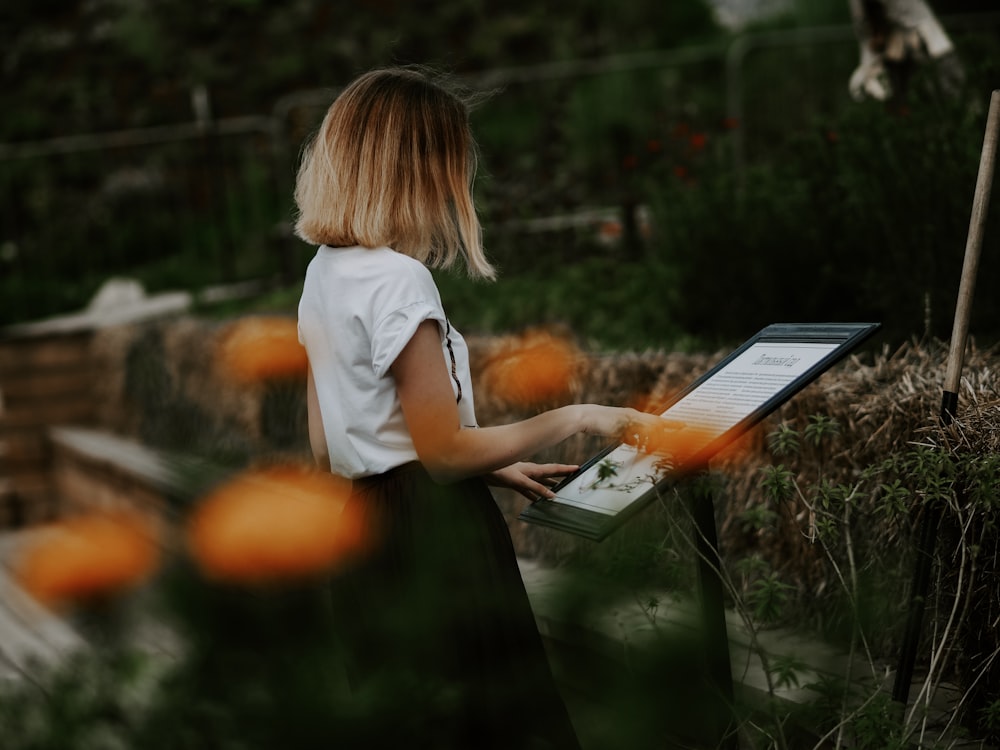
129, 456
47, 353
87, 487
24, 473
22, 433
21, 448
30, 387
28, 480
78, 410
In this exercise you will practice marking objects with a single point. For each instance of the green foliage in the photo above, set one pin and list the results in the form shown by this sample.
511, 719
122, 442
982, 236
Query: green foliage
751, 567
894, 498
158, 214
863, 528
777, 483
785, 670
808, 14
820, 428
990, 715
758, 518
603, 300
93, 700
869, 207
877, 726
784, 441
767, 598
108, 65
981, 473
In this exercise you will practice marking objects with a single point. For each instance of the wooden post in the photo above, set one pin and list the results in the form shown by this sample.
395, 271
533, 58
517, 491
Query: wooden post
713, 610
927, 535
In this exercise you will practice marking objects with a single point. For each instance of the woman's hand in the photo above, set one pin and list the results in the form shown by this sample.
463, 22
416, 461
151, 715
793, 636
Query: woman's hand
534, 481
644, 431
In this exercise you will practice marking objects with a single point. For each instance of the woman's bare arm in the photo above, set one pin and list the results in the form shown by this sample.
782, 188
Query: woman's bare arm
450, 453
317, 436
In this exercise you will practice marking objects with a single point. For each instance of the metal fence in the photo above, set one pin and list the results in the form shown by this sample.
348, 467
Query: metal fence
209, 201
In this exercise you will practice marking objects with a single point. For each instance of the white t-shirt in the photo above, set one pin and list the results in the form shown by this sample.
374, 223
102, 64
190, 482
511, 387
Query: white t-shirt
359, 308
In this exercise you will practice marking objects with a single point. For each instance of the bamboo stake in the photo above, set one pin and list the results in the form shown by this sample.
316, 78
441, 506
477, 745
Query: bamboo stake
927, 535
973, 245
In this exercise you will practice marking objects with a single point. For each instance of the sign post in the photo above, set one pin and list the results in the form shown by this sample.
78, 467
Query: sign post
721, 405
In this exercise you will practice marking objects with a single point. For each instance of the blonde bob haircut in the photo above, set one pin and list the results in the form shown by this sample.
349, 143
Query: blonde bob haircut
392, 165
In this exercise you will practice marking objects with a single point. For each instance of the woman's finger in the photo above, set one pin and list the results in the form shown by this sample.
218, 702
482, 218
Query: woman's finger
552, 470
535, 491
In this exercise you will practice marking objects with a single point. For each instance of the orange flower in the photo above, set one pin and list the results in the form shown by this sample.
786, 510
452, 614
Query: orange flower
87, 558
532, 370
280, 523
679, 441
698, 141
263, 348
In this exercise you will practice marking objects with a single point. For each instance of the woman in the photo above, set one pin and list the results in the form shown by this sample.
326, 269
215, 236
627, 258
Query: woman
384, 189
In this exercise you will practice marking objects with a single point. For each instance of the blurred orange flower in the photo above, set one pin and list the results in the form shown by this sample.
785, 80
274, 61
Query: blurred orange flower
87, 558
260, 348
274, 524
679, 441
532, 370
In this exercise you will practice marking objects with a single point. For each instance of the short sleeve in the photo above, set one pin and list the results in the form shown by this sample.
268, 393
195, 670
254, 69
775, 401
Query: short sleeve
395, 330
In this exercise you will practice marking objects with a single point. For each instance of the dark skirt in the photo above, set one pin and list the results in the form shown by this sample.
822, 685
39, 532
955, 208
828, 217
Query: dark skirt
436, 612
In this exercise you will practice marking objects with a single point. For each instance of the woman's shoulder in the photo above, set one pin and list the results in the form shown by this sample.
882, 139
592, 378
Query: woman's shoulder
378, 274
372, 258
381, 272
394, 259
367, 265
395, 266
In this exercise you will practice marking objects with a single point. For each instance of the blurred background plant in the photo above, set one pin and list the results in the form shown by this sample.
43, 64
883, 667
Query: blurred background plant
631, 153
